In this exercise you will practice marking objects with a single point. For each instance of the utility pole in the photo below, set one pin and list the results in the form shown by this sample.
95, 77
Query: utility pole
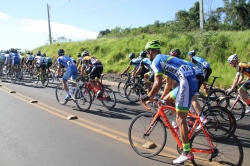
50, 38
201, 16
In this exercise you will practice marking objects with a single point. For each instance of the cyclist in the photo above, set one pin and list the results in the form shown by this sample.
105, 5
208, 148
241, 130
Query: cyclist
40, 63
29, 61
84, 66
202, 64
79, 61
48, 62
22, 58
7, 60
184, 75
242, 69
94, 68
71, 71
2, 60
14, 59
133, 61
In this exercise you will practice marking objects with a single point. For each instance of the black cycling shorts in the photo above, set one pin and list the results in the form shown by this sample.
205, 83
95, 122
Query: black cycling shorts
207, 72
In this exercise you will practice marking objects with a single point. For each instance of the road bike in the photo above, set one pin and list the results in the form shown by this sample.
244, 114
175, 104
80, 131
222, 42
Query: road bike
43, 77
16, 74
108, 98
235, 104
147, 136
81, 96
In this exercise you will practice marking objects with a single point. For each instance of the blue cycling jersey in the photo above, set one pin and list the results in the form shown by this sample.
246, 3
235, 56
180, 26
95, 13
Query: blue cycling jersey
173, 67
136, 62
14, 56
145, 62
65, 61
200, 62
197, 70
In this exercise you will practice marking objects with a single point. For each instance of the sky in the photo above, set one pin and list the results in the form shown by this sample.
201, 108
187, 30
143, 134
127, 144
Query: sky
24, 23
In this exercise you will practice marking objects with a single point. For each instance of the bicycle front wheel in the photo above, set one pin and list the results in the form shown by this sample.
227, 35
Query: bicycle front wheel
121, 88
83, 99
108, 98
61, 94
152, 143
226, 152
132, 93
237, 108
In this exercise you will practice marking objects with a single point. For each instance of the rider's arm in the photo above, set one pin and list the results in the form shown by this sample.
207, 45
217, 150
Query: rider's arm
236, 80
156, 86
126, 69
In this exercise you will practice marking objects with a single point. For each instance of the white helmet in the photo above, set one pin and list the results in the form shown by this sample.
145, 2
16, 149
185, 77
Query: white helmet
232, 58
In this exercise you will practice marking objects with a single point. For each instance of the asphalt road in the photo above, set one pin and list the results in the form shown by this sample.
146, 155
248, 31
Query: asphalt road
40, 134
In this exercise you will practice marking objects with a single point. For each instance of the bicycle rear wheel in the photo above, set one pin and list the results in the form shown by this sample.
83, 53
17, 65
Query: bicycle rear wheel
238, 109
220, 117
51, 77
108, 97
151, 144
61, 94
44, 79
83, 99
226, 152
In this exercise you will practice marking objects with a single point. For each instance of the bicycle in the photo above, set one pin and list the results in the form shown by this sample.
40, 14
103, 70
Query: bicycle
108, 95
147, 136
43, 77
16, 74
81, 96
122, 84
234, 103
214, 91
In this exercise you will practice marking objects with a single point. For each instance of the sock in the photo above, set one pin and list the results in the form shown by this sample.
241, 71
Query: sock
186, 148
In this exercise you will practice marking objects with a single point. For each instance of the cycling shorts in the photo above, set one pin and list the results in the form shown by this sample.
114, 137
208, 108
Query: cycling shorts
71, 71
184, 93
96, 71
15, 62
246, 85
207, 72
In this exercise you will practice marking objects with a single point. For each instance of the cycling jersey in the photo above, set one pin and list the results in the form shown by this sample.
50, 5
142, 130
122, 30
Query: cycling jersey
15, 59
71, 70
136, 62
2, 59
30, 57
145, 66
197, 70
243, 68
88, 60
7, 57
182, 73
200, 62
48, 62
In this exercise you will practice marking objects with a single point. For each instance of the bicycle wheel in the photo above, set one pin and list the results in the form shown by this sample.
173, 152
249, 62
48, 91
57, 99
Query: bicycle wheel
44, 79
108, 97
220, 117
61, 94
152, 143
13, 77
51, 77
20, 76
227, 152
132, 93
121, 88
237, 108
83, 99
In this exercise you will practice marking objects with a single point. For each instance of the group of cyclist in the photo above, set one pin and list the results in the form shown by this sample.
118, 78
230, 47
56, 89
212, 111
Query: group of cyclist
183, 79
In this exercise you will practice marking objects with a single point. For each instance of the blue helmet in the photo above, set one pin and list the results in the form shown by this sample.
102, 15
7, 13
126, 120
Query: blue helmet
60, 52
143, 54
131, 56
193, 53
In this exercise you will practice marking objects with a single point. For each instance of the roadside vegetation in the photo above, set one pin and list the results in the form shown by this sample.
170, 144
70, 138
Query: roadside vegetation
226, 31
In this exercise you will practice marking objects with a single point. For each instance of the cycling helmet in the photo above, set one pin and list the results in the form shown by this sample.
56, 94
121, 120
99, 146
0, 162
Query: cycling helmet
154, 44
176, 53
143, 54
39, 52
28, 52
131, 56
43, 55
31, 53
193, 53
60, 52
85, 53
7, 52
79, 55
232, 58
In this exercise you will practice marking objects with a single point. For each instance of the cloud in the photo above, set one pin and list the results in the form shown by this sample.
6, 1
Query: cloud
57, 29
4, 16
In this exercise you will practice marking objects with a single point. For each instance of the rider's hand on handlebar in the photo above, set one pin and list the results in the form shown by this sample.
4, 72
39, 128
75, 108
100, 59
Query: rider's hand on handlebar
228, 90
144, 98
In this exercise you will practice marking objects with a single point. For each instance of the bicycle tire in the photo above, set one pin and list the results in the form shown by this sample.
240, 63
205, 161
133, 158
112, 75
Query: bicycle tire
121, 88
217, 93
220, 117
132, 93
83, 99
60, 94
51, 77
147, 146
238, 110
108, 96
45, 80
222, 148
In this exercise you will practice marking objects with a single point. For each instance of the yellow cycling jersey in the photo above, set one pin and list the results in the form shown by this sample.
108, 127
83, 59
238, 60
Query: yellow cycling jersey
88, 60
244, 68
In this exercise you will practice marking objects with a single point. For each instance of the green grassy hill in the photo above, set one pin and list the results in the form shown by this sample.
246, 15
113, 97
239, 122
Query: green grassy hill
215, 47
